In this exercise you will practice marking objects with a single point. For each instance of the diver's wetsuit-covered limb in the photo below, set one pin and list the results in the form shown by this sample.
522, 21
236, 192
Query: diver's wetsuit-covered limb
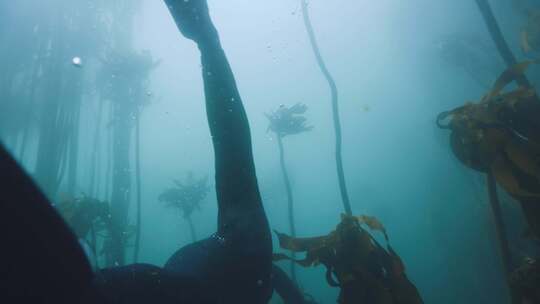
40, 260
286, 288
241, 250
148, 284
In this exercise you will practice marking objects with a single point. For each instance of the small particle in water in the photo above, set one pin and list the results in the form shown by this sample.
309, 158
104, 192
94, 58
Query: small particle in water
77, 61
148, 93
366, 108
259, 282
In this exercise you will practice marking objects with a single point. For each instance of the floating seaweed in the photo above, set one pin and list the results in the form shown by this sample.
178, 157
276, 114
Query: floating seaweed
288, 120
186, 196
355, 262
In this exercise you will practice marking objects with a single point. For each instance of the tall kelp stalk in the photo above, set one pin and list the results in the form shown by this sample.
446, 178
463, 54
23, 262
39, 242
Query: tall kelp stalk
17, 74
128, 73
72, 38
138, 219
187, 197
510, 60
52, 137
288, 121
335, 107
124, 76
93, 188
21, 65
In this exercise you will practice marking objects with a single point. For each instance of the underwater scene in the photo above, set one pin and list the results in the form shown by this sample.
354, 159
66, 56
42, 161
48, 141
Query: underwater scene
287, 151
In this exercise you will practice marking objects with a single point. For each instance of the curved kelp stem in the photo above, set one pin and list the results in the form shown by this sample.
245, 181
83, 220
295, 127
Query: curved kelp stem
243, 243
137, 184
290, 201
510, 60
500, 227
287, 289
498, 39
335, 107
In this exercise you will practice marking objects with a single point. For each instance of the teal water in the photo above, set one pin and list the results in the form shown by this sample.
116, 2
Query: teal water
76, 75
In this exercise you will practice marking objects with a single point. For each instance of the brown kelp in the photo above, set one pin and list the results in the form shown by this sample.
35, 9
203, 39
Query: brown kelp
486, 138
187, 197
499, 136
287, 121
355, 262
335, 107
522, 81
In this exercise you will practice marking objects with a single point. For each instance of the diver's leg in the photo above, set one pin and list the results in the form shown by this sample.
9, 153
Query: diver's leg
286, 288
145, 283
242, 225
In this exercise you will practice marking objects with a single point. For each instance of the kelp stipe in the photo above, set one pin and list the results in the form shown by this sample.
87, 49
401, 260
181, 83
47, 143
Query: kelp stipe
335, 107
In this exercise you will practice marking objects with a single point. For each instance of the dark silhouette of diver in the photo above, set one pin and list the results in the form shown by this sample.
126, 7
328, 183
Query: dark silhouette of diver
42, 261
236, 260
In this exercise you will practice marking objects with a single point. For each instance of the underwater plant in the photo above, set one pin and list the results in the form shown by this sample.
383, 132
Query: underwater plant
283, 122
89, 218
126, 76
499, 136
529, 112
288, 120
335, 107
355, 262
186, 196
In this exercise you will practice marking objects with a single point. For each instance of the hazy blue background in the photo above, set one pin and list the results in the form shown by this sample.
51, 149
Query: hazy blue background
384, 55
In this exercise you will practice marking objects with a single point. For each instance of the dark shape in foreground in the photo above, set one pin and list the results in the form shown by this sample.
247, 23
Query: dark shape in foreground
526, 281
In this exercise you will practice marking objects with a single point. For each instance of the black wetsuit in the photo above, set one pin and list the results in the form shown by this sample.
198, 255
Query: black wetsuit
236, 260
232, 266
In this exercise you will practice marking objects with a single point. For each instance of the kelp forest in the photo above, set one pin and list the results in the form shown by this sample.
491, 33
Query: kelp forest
295, 152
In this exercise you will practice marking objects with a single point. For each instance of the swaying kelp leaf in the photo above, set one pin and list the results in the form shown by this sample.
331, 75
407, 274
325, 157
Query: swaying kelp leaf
513, 97
509, 75
525, 157
310, 260
302, 244
507, 178
288, 120
373, 223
